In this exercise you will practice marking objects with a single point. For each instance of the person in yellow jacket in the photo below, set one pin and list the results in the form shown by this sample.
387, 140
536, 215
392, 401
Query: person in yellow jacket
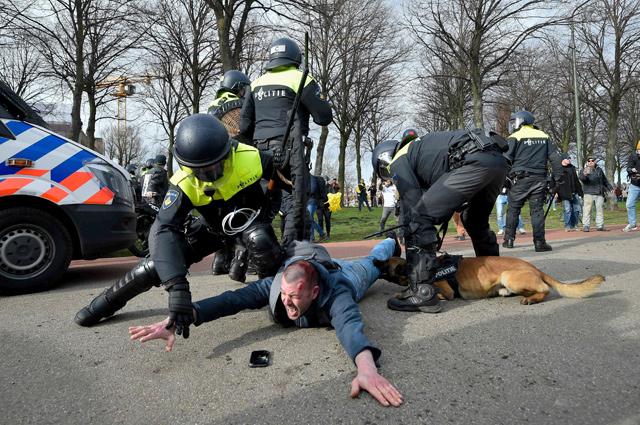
224, 181
229, 99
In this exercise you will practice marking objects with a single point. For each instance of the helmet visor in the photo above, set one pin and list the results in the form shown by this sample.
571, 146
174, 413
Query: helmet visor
209, 173
383, 165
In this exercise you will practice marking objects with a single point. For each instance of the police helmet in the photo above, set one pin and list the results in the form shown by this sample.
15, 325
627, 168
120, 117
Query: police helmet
284, 51
131, 169
161, 160
149, 162
233, 81
382, 156
202, 144
519, 119
408, 135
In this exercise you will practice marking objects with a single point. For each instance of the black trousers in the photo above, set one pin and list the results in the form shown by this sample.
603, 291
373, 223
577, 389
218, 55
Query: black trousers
532, 188
324, 218
472, 188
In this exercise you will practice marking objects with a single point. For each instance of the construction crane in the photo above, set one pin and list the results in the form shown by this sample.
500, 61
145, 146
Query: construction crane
124, 87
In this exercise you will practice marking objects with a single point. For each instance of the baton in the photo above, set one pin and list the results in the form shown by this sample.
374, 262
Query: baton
384, 231
546, 213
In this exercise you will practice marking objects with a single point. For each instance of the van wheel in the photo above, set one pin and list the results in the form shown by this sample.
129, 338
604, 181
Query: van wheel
35, 250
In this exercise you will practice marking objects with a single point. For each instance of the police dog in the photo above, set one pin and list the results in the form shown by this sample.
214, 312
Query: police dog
484, 277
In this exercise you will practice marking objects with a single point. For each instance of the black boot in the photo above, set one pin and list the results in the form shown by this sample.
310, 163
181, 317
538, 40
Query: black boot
136, 281
542, 246
508, 243
423, 299
221, 262
421, 294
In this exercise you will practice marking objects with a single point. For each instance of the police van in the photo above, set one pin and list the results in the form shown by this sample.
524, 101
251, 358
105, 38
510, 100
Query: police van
58, 201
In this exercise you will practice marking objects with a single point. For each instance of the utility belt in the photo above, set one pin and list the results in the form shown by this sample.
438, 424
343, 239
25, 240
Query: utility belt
282, 151
517, 175
476, 141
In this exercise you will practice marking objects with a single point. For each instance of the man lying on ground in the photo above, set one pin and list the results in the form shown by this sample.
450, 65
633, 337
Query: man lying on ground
312, 289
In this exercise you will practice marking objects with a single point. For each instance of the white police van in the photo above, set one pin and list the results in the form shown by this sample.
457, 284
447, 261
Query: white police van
58, 201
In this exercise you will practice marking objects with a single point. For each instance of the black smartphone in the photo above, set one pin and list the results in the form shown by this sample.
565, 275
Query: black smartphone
259, 358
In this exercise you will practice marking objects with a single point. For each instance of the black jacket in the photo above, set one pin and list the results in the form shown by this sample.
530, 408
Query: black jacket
595, 183
634, 162
158, 183
530, 150
569, 184
266, 108
168, 244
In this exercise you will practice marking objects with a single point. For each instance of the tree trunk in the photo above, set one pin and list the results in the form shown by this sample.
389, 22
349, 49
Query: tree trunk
91, 125
78, 85
322, 142
612, 137
476, 94
172, 138
341, 157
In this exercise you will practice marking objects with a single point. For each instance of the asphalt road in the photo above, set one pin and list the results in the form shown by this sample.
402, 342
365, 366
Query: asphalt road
491, 361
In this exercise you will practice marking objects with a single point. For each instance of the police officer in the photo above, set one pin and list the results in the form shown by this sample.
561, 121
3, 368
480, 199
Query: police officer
156, 182
436, 175
265, 115
226, 107
218, 176
529, 152
229, 100
135, 183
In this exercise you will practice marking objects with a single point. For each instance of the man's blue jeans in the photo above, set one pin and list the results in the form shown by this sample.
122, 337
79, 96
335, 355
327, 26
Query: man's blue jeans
571, 211
501, 212
632, 197
311, 208
362, 273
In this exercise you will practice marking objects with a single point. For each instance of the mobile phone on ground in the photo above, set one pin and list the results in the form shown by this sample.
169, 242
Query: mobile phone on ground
259, 358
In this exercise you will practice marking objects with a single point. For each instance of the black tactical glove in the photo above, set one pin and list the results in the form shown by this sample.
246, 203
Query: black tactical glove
180, 306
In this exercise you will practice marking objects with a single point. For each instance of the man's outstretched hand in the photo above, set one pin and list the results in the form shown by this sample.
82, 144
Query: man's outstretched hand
370, 380
155, 331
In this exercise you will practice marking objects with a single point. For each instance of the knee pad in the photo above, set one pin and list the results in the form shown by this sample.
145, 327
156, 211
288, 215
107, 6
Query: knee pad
264, 250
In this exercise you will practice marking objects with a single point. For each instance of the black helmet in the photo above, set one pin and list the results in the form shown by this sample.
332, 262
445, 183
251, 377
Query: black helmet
382, 156
201, 140
149, 162
233, 81
408, 135
131, 169
519, 119
284, 51
161, 159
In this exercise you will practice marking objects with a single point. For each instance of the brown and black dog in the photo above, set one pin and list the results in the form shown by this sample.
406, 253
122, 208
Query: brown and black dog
484, 277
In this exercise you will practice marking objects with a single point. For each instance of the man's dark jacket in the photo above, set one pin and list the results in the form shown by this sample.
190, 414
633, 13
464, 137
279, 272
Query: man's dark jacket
595, 183
569, 184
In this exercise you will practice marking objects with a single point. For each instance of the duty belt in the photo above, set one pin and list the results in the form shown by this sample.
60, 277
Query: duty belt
475, 143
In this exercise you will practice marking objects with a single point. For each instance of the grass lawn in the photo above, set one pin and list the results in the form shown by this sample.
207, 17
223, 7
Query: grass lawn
349, 224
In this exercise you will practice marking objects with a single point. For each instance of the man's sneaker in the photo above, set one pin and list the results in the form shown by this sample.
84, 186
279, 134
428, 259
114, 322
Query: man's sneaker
460, 237
423, 298
500, 232
601, 229
508, 243
585, 229
542, 246
397, 250
630, 228
522, 231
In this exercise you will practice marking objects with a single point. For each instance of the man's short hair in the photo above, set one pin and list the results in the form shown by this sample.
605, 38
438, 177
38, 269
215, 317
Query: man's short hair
301, 269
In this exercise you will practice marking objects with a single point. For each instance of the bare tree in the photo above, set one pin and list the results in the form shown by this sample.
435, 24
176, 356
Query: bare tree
185, 33
22, 68
611, 34
124, 148
483, 34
